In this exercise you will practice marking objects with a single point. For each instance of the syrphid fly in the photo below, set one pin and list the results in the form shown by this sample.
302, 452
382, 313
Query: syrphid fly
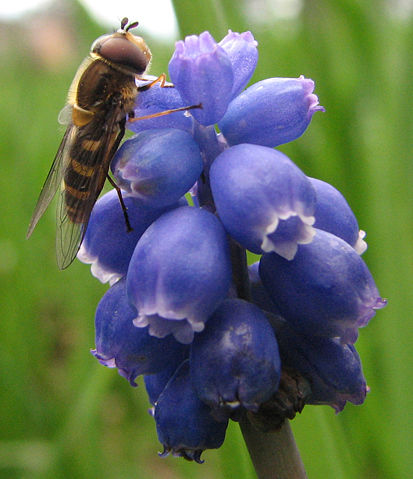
100, 101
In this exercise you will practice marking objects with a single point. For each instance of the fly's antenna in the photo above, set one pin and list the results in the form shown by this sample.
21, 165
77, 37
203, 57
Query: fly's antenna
123, 23
132, 25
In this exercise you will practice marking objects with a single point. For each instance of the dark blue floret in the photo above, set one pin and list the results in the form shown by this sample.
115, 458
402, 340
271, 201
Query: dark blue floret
326, 290
155, 383
235, 361
263, 199
132, 350
332, 369
333, 214
184, 423
270, 112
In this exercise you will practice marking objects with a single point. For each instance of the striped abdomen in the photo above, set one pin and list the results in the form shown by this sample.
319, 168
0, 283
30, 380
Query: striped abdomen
88, 163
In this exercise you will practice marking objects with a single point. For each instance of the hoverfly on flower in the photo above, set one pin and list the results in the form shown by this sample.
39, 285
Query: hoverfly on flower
100, 101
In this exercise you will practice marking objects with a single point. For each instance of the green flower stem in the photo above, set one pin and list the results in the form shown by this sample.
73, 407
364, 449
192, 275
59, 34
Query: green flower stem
273, 454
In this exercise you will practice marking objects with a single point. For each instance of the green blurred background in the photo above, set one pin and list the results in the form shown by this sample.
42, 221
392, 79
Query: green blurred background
62, 415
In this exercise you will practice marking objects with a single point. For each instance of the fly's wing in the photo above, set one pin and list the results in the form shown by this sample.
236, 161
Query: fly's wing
53, 180
69, 235
70, 232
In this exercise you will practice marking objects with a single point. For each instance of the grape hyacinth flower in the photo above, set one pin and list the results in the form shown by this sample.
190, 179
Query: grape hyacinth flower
109, 255
333, 369
213, 339
132, 350
184, 423
235, 361
263, 199
326, 290
176, 293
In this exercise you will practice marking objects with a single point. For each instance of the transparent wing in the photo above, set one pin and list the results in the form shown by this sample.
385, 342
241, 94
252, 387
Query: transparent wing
65, 115
69, 235
70, 230
53, 180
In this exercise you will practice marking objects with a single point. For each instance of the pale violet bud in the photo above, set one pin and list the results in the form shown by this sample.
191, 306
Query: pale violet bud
263, 199
243, 54
179, 273
201, 71
271, 112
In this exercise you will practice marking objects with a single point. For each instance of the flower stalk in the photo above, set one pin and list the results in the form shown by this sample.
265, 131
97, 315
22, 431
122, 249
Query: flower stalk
274, 454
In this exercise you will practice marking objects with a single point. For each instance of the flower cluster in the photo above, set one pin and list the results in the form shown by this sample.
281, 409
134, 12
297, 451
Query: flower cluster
213, 339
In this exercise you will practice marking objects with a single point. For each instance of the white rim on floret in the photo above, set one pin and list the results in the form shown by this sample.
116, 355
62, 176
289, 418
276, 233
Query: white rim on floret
97, 270
288, 249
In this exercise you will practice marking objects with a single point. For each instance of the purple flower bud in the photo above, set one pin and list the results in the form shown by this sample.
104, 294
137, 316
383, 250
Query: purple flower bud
270, 112
263, 199
132, 350
179, 273
158, 166
332, 369
155, 100
333, 214
202, 73
243, 54
184, 423
235, 360
107, 245
326, 290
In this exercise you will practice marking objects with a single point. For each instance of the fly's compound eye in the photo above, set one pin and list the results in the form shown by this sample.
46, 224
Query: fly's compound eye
127, 51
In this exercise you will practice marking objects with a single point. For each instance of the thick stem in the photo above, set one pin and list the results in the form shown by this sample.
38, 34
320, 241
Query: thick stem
273, 454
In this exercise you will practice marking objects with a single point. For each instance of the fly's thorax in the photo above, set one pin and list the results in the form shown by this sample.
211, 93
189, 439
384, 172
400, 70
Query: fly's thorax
101, 85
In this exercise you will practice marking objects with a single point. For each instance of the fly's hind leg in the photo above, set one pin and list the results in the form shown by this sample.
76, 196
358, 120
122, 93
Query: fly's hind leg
162, 80
132, 119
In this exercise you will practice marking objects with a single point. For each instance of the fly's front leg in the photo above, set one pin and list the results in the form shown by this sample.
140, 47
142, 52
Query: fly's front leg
112, 182
122, 204
161, 79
